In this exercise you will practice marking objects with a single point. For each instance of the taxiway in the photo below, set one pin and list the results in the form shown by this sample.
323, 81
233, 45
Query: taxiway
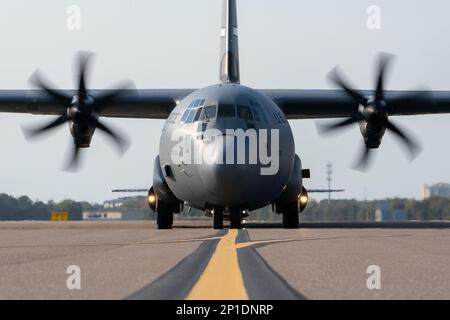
133, 260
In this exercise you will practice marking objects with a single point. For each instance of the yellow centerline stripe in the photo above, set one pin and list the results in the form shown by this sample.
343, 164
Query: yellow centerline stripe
222, 278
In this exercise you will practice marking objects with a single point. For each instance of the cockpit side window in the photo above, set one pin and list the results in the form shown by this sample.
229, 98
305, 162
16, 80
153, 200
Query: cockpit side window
226, 111
193, 111
258, 111
197, 114
191, 114
185, 116
194, 104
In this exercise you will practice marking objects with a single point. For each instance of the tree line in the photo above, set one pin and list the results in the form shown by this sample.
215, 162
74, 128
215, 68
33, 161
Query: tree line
436, 208
23, 208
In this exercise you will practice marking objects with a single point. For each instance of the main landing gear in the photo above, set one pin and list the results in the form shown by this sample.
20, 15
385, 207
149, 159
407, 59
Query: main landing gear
290, 215
164, 217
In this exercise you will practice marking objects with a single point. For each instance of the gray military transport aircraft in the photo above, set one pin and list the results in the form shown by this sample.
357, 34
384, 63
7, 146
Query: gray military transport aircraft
208, 119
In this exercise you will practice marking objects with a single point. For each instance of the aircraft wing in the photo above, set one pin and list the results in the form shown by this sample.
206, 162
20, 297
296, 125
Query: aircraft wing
309, 104
325, 190
152, 104
296, 104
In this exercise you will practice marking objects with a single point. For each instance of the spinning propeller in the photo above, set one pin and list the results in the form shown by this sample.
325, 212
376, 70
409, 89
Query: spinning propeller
373, 112
80, 110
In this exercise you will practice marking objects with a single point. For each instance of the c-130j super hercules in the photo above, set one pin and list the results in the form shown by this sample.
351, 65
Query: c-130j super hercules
200, 161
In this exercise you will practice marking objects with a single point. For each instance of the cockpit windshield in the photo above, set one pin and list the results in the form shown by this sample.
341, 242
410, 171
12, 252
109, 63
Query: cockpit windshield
226, 111
209, 113
244, 112
199, 111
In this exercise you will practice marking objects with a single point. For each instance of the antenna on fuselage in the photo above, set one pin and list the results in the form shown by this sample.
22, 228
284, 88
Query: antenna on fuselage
229, 52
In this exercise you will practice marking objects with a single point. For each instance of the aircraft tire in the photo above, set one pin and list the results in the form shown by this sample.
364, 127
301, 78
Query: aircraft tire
164, 215
290, 216
235, 219
218, 218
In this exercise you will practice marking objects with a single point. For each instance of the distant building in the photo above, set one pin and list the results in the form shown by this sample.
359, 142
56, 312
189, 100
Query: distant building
111, 204
436, 190
384, 215
119, 215
111, 215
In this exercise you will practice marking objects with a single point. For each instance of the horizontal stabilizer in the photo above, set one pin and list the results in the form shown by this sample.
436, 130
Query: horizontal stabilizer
130, 190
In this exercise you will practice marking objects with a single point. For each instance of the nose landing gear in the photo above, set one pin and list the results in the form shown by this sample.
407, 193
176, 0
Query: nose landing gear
234, 215
217, 218
290, 216
235, 219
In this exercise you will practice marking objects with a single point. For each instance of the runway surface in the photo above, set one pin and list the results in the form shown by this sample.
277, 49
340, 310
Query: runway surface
133, 260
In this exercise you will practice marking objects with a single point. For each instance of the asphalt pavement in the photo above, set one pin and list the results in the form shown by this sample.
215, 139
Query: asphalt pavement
133, 260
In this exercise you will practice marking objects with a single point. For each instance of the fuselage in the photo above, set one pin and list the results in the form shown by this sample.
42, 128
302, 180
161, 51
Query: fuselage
227, 145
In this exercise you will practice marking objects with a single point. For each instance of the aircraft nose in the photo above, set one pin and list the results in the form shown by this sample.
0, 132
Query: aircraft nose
226, 182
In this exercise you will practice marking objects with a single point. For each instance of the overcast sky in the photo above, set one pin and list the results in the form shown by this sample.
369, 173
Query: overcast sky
175, 44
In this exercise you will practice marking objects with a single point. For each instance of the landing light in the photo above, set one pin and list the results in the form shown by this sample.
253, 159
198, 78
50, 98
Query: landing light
152, 199
303, 199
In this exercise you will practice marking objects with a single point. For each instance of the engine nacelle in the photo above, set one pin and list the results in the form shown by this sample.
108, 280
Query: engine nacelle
372, 133
82, 133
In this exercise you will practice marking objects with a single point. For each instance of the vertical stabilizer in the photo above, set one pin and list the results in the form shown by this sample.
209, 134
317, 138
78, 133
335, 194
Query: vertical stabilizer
229, 65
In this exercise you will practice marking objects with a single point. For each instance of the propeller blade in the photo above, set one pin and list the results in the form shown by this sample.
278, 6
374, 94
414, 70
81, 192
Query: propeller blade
412, 146
30, 133
364, 159
326, 128
383, 63
38, 81
339, 81
121, 142
84, 58
74, 162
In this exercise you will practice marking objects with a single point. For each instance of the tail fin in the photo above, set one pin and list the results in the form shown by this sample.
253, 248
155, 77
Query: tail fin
229, 65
